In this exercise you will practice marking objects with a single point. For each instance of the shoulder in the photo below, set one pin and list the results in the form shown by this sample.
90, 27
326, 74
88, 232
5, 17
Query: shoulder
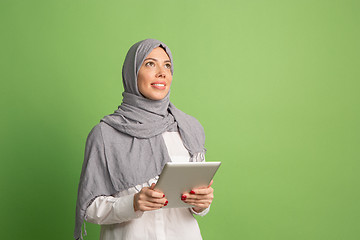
95, 131
102, 130
95, 136
106, 135
100, 136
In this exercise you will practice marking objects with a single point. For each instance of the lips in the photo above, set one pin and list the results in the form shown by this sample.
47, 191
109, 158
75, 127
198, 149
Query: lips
159, 85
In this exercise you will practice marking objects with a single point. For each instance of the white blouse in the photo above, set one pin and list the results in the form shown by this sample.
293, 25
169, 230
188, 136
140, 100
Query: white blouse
118, 219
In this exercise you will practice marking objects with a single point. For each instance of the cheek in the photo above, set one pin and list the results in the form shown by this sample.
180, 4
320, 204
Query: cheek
142, 79
170, 79
145, 77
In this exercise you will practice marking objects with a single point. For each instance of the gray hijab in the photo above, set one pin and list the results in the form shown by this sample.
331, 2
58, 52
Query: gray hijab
126, 148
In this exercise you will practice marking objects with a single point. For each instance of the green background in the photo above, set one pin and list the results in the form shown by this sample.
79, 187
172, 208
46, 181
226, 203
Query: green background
274, 83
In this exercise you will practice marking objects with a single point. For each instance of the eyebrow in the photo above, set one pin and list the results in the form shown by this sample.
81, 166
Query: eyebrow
156, 60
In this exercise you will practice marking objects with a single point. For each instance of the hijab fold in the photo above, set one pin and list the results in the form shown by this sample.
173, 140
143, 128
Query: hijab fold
127, 148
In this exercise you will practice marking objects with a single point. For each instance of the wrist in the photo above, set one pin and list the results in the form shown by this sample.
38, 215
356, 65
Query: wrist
198, 209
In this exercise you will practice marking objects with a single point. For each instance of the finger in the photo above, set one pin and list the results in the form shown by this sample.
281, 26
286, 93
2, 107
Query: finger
161, 201
198, 201
148, 197
200, 205
155, 200
146, 205
193, 197
153, 194
152, 187
154, 205
143, 207
198, 197
201, 191
211, 182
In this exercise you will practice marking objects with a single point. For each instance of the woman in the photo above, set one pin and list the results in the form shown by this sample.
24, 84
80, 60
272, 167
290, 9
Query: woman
127, 150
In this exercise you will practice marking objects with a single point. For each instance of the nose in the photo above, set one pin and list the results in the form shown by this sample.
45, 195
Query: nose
161, 73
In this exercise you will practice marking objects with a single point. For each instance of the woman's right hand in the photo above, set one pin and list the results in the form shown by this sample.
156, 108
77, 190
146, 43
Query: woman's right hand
148, 199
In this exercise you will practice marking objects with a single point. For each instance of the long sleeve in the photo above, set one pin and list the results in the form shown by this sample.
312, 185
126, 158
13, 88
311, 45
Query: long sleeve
110, 210
203, 213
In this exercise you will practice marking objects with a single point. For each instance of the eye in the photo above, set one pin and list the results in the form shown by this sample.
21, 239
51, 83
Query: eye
149, 64
168, 65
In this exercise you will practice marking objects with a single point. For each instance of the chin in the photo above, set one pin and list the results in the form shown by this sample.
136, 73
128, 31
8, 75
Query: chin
154, 95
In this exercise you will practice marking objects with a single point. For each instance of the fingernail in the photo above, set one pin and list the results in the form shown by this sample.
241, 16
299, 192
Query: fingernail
164, 195
183, 197
192, 192
166, 203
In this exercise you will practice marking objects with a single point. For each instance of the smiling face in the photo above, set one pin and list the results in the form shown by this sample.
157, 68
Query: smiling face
154, 76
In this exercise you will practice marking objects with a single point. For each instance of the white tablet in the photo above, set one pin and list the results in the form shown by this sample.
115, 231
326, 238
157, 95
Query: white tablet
179, 177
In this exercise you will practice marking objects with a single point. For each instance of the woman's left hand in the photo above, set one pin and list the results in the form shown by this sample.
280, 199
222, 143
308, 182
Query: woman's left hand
199, 198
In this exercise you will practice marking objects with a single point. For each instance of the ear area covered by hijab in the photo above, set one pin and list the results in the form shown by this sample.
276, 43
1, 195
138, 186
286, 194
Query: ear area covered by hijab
127, 148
